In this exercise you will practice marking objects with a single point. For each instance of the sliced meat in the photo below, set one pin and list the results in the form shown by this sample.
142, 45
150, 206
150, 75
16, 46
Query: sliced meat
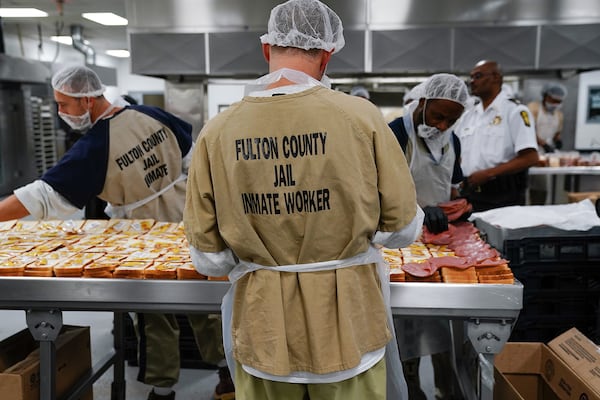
450, 261
420, 269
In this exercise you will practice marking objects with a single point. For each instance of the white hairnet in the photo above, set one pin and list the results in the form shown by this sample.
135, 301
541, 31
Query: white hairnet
77, 81
305, 24
446, 86
360, 91
415, 93
554, 90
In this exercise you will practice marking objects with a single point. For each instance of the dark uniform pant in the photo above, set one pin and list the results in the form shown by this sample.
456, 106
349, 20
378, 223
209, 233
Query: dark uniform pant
507, 190
158, 345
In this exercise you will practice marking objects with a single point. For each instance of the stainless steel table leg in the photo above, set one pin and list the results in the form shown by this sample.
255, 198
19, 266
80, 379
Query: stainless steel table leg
45, 325
118, 384
487, 337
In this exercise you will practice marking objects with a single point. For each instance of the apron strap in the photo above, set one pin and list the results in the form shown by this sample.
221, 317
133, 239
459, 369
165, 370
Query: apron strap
125, 210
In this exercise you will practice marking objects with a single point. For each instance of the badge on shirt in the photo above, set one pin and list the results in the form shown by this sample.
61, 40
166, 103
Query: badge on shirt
497, 119
525, 117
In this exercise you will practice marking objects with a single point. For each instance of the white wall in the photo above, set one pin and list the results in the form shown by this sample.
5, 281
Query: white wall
128, 82
221, 95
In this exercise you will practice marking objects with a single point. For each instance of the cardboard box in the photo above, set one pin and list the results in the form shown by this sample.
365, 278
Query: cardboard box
567, 368
20, 364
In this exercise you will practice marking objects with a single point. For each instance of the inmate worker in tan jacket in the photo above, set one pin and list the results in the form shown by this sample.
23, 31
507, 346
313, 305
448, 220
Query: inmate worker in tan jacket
288, 190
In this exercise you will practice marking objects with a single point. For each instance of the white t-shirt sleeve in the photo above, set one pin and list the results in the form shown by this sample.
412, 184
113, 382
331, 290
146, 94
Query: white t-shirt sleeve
213, 264
523, 136
43, 202
403, 237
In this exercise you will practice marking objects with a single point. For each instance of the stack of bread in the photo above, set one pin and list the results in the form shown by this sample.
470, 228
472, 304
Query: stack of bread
146, 249
132, 249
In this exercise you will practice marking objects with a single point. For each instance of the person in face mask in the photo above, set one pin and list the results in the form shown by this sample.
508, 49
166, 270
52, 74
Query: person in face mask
432, 150
433, 153
136, 159
549, 117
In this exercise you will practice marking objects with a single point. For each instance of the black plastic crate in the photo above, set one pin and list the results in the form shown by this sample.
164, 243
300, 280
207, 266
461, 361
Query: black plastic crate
571, 279
544, 328
581, 249
560, 307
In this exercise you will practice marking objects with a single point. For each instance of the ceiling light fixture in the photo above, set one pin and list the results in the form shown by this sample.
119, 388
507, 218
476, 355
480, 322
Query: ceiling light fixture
118, 53
68, 40
105, 18
21, 13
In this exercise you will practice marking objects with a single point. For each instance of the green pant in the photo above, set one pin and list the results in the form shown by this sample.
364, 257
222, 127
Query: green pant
158, 345
443, 376
368, 385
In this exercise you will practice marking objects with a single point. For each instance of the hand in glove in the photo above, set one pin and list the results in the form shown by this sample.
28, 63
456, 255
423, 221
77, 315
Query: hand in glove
548, 148
558, 144
435, 219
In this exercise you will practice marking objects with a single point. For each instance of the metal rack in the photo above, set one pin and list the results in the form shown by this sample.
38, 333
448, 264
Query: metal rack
486, 312
44, 135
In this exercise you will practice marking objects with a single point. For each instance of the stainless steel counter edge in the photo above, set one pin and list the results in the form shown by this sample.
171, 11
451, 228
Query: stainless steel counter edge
581, 170
79, 294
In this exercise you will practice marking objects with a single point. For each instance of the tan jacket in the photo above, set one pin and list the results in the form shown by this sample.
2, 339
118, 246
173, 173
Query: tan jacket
130, 179
296, 179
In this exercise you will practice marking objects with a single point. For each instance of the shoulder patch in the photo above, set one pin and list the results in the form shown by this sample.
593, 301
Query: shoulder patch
525, 118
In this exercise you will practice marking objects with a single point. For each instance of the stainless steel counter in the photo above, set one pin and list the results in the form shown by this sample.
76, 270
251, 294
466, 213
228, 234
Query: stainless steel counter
572, 173
89, 294
564, 170
489, 311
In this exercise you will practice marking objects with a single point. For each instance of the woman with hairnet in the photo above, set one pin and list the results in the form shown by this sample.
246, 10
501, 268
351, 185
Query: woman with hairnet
136, 159
289, 191
548, 118
433, 154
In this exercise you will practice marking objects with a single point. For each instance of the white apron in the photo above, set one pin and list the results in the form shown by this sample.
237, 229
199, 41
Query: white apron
396, 385
424, 336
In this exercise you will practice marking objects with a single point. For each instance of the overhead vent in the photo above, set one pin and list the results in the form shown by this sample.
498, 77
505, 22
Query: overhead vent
82, 45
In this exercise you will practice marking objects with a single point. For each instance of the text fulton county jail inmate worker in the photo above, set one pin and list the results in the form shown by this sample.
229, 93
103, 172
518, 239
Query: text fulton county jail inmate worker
433, 154
498, 143
289, 189
548, 119
108, 162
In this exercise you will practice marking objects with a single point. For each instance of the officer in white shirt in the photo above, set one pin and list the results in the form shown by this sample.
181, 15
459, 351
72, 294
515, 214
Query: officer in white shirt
498, 143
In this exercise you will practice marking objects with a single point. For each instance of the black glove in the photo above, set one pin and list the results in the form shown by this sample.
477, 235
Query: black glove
548, 148
435, 219
558, 144
464, 190
464, 217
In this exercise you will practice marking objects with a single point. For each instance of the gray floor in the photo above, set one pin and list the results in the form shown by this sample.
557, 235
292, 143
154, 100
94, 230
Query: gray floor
194, 384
